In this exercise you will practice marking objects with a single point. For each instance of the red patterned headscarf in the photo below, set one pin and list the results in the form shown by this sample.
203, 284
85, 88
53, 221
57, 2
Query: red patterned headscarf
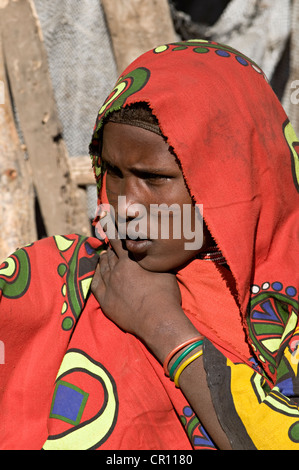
238, 154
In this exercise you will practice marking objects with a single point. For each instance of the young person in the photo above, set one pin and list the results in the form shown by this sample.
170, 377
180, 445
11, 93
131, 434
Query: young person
166, 342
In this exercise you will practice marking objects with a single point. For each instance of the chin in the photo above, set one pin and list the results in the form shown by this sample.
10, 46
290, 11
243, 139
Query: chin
160, 264
152, 265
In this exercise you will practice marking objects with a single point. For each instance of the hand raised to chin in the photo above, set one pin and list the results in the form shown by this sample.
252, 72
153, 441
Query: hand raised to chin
129, 295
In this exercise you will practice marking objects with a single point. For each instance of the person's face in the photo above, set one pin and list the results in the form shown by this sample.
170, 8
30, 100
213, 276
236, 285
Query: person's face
141, 169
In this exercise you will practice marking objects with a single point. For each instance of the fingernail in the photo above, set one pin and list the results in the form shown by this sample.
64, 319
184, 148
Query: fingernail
102, 214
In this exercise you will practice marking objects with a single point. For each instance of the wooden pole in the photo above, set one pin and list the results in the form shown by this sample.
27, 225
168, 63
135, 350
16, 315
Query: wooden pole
137, 26
60, 200
17, 217
82, 170
291, 96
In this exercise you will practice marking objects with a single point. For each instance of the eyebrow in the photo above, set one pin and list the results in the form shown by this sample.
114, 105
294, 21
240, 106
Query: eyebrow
138, 171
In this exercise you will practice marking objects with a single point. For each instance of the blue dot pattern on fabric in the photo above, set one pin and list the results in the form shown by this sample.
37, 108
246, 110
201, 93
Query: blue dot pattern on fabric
188, 411
222, 53
291, 291
241, 60
277, 286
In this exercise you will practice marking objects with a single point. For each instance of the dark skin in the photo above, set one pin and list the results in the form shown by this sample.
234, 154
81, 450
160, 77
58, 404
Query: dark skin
141, 168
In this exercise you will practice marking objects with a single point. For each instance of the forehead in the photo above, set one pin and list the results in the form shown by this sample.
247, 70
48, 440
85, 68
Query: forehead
124, 144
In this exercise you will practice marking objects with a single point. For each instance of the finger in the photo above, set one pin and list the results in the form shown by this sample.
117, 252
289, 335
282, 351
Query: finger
105, 227
98, 287
104, 267
110, 229
99, 231
117, 246
112, 258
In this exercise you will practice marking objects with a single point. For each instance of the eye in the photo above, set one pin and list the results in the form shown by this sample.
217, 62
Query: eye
111, 169
154, 178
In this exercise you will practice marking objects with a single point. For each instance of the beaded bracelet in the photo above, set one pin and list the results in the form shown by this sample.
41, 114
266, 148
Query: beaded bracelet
177, 349
184, 365
182, 356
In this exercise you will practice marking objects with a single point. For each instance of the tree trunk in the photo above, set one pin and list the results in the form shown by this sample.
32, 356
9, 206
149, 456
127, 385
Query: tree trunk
17, 218
291, 96
137, 26
61, 206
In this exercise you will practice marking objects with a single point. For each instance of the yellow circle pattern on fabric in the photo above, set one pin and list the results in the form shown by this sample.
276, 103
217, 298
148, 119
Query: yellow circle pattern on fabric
86, 437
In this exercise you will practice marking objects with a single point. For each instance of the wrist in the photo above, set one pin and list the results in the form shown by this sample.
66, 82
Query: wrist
178, 358
165, 331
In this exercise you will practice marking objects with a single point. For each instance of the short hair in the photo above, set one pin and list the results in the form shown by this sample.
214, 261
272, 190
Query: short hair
138, 115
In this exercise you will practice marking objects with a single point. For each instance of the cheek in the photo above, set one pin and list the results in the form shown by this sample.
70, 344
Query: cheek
112, 191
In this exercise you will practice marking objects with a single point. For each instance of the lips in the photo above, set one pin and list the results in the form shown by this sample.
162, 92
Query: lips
138, 246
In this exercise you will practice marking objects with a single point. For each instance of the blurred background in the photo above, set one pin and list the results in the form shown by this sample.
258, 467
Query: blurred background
60, 59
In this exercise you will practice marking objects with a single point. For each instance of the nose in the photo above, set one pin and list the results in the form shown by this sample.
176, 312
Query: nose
130, 200
131, 213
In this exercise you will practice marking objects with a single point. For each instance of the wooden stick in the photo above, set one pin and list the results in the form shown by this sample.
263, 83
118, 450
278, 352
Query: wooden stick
61, 205
82, 171
17, 217
137, 26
